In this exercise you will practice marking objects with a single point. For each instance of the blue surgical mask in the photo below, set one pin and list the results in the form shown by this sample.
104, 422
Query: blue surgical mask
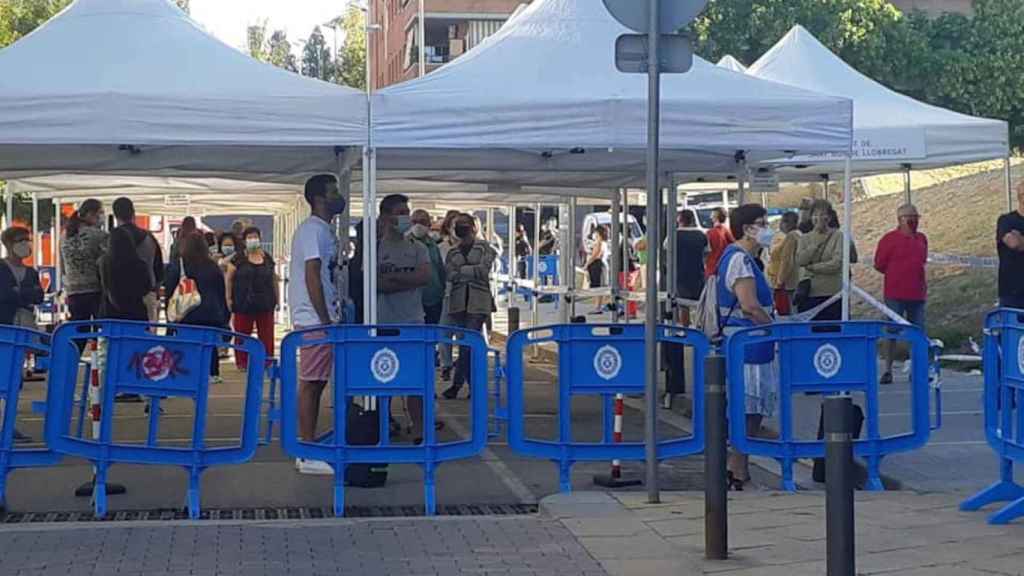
336, 205
765, 235
227, 250
404, 223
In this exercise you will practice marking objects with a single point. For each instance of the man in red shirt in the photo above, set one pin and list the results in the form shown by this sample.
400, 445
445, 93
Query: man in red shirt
718, 238
901, 256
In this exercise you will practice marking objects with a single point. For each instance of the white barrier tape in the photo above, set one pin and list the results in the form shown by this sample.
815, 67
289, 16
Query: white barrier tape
881, 307
809, 315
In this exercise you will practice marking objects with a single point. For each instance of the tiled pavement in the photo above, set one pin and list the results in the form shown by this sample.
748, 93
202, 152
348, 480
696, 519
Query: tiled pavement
525, 546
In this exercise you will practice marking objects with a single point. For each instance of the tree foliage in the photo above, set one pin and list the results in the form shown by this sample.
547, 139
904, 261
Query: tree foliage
316, 57
352, 54
275, 49
972, 64
20, 17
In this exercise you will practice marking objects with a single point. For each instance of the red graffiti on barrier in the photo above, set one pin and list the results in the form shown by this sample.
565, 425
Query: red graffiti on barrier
158, 363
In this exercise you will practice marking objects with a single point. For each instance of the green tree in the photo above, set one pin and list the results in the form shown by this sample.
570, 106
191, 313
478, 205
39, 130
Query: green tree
279, 51
352, 54
256, 41
316, 57
20, 17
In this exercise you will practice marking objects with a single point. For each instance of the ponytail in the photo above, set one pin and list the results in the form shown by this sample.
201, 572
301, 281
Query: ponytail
74, 225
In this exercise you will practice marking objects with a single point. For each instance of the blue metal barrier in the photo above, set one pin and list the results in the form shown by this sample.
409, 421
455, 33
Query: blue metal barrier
15, 343
383, 362
1004, 412
273, 411
828, 358
500, 407
139, 360
592, 360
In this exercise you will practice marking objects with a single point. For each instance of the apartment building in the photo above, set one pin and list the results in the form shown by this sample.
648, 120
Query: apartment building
452, 27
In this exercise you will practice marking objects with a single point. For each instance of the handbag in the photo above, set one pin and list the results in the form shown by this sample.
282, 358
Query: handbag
185, 299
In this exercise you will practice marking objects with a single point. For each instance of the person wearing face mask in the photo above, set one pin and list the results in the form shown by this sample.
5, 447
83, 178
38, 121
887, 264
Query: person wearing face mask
403, 271
820, 256
228, 248
468, 268
901, 257
253, 293
745, 299
433, 292
20, 290
83, 243
448, 242
313, 301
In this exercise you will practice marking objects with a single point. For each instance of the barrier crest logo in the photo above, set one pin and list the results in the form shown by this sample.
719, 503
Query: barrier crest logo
828, 361
157, 364
385, 365
607, 362
1020, 354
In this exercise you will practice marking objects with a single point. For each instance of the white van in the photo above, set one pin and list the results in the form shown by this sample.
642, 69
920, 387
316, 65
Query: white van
595, 219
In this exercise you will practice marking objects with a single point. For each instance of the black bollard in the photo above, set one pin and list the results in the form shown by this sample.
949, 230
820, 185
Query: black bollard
716, 527
839, 486
513, 320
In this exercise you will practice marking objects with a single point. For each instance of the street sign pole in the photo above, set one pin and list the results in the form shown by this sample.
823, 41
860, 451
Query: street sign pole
653, 245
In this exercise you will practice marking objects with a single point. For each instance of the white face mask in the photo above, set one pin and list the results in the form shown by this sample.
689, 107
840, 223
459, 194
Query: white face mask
252, 244
227, 250
763, 235
419, 231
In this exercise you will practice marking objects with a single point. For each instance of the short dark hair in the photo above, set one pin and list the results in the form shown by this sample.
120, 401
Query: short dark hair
188, 223
745, 216
317, 186
13, 234
124, 209
686, 217
790, 220
391, 201
225, 236
719, 215
252, 230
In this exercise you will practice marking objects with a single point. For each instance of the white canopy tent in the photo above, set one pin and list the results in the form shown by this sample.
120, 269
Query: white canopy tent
730, 63
892, 132
136, 87
541, 100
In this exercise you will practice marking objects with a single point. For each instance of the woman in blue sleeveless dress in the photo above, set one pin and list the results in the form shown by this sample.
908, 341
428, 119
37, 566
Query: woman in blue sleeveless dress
745, 298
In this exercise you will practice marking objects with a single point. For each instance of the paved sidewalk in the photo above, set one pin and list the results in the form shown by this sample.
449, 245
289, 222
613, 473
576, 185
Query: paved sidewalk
521, 546
783, 534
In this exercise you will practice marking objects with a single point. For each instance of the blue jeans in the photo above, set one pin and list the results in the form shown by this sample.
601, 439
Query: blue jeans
913, 311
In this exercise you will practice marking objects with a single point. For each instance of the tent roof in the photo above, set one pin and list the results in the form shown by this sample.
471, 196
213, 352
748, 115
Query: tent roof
730, 63
545, 84
107, 74
890, 129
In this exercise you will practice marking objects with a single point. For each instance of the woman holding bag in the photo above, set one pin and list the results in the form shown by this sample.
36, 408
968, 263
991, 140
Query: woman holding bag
745, 299
212, 310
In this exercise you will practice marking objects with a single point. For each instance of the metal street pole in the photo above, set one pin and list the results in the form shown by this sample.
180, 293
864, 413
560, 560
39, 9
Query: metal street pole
421, 31
653, 246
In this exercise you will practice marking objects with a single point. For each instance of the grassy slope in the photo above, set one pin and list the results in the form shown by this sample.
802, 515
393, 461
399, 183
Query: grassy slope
959, 217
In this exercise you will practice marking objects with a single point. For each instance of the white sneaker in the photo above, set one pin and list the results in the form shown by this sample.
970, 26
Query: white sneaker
216, 380
314, 467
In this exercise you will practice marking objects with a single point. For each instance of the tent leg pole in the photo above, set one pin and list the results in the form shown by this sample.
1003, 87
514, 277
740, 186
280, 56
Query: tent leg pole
847, 235
908, 195
1008, 169
620, 259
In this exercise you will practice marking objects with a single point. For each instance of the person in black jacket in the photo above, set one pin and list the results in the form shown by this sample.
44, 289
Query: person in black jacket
148, 250
20, 290
213, 310
124, 279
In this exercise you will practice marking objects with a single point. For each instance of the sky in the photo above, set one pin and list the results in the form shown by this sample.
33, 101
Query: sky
229, 19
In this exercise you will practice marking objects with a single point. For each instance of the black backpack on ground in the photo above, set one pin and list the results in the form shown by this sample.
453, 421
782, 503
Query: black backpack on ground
364, 430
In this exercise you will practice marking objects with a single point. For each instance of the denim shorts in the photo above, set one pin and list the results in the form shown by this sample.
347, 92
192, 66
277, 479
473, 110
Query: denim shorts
912, 310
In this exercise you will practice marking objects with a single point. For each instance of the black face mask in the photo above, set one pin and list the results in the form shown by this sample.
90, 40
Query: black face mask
463, 232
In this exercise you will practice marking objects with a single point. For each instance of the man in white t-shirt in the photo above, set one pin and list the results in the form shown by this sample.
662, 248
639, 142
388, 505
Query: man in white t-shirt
313, 301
